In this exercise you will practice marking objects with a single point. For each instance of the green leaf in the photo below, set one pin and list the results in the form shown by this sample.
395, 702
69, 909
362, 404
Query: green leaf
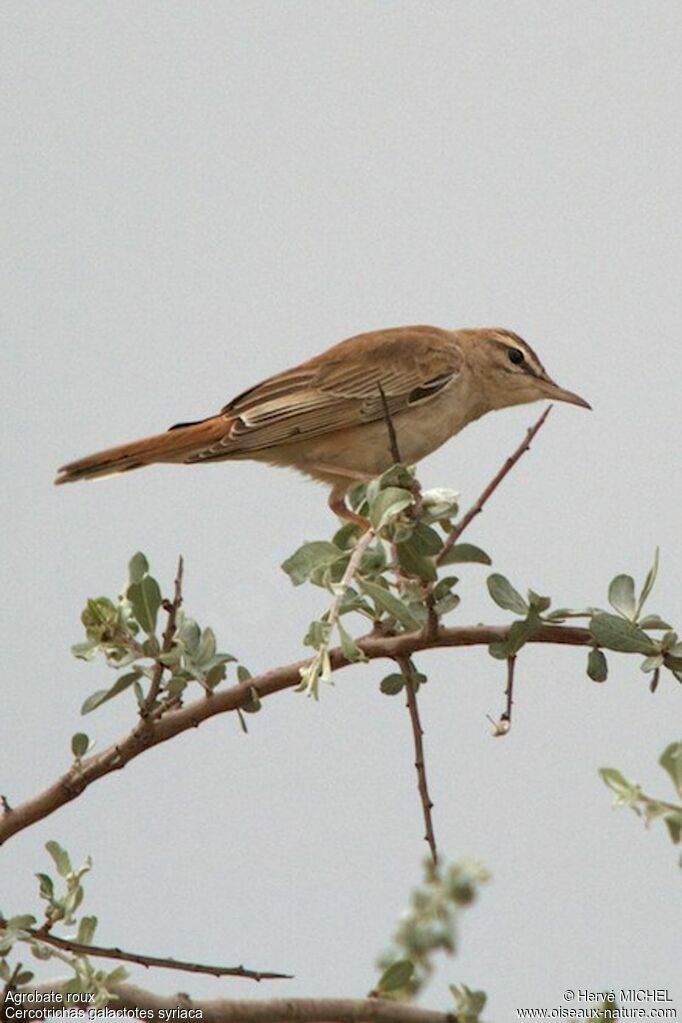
653, 622
439, 503
243, 673
22, 922
86, 930
387, 505
253, 704
138, 567
318, 634
648, 583
102, 695
189, 635
145, 598
414, 563
79, 744
386, 601
398, 975
671, 761
392, 684
622, 595
504, 594
597, 665
309, 558
652, 663
116, 976
46, 886
350, 648
215, 675
616, 633
60, 857
466, 553
207, 647
538, 603
617, 783
517, 636
673, 823
425, 540
24, 977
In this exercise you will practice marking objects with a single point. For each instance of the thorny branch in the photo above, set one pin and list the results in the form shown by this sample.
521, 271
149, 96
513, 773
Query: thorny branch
148, 961
418, 734
79, 777
503, 726
477, 506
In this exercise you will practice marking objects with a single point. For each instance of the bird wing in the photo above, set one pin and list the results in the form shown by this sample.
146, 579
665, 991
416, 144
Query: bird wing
340, 389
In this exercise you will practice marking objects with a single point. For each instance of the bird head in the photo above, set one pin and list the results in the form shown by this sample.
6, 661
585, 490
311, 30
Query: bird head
509, 371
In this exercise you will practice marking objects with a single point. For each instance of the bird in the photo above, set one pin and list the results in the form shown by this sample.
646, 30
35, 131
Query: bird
340, 416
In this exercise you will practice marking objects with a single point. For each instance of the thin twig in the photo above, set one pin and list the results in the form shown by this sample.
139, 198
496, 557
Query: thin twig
392, 438
418, 734
73, 782
166, 644
477, 507
158, 961
4, 805
359, 548
132, 999
503, 726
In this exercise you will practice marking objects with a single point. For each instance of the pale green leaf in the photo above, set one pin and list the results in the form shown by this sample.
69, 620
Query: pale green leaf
138, 567
648, 582
615, 633
310, 557
622, 595
397, 976
463, 553
597, 665
102, 695
145, 599
86, 929
60, 857
79, 744
671, 761
653, 622
392, 684
392, 605
387, 505
348, 645
504, 594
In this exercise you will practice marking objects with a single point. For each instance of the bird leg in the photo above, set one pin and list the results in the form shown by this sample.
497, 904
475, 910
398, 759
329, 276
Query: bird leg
337, 503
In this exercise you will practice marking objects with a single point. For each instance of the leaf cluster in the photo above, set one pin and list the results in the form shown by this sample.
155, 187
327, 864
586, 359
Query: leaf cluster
61, 906
125, 632
427, 927
625, 631
647, 807
397, 584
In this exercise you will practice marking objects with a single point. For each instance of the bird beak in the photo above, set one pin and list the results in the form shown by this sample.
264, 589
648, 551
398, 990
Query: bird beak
557, 393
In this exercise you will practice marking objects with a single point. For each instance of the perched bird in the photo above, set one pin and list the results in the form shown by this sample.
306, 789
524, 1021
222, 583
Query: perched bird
329, 417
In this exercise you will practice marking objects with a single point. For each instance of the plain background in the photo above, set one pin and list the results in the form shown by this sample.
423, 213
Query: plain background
196, 195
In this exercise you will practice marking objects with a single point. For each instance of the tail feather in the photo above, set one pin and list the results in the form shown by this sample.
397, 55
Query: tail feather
176, 445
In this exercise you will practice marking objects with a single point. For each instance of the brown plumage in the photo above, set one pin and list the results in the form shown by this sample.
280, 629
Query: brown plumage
326, 417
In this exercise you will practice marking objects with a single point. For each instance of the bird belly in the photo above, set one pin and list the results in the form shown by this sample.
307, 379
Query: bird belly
361, 452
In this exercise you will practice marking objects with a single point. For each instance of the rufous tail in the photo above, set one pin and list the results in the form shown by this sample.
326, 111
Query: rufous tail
176, 445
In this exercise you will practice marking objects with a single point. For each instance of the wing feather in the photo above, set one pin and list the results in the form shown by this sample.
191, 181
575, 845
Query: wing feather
340, 389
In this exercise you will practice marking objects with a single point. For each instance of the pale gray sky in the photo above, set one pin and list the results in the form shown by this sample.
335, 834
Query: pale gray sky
195, 195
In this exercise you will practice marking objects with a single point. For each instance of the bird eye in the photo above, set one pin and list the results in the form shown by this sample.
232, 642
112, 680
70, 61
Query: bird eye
515, 356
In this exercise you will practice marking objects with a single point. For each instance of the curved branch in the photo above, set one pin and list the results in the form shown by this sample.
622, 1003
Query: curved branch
79, 777
271, 1010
